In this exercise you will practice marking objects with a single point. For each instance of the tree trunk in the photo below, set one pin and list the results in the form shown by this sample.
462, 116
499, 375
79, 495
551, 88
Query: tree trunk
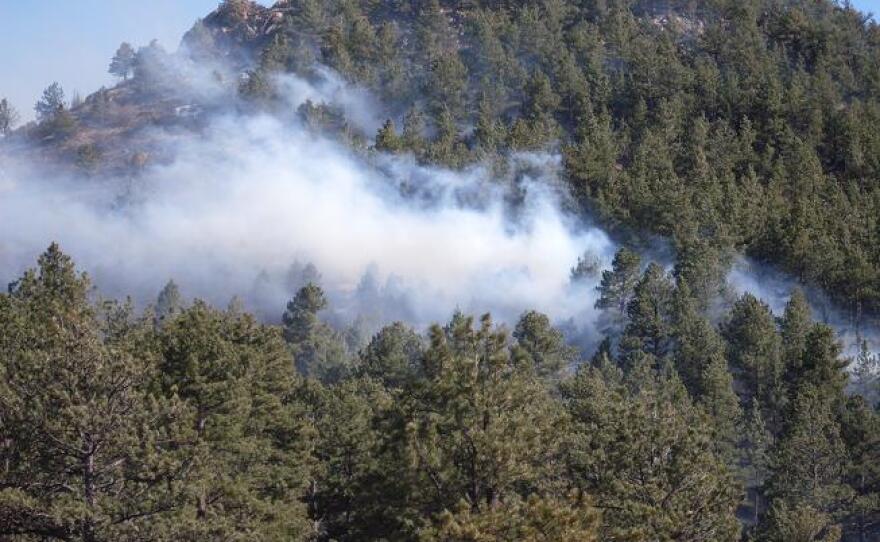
757, 499
202, 510
88, 469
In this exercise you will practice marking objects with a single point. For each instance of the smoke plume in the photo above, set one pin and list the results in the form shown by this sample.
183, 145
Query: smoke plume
258, 204
241, 209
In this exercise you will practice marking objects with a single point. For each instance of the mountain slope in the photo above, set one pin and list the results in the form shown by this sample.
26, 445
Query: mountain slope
724, 125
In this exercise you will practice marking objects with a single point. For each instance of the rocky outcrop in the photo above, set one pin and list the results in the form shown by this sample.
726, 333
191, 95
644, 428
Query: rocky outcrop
236, 31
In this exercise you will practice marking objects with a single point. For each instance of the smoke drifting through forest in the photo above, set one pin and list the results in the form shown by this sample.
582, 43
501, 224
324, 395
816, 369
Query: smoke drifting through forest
774, 288
243, 209
239, 206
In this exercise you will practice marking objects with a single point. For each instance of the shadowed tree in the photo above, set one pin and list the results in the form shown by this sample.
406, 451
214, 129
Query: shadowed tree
618, 285
809, 464
644, 452
794, 326
89, 451
169, 303
755, 353
544, 346
649, 328
317, 350
252, 437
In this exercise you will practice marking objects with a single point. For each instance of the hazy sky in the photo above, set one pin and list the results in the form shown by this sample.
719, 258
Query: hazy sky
872, 6
72, 42
42, 41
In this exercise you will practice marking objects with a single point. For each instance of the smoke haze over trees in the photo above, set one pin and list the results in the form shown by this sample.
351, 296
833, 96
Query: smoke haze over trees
451, 271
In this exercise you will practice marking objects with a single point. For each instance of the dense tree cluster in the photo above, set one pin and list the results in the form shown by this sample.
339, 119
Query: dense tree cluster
724, 124
185, 422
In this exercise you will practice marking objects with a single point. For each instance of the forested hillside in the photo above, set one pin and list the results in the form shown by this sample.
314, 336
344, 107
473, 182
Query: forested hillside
720, 127
725, 125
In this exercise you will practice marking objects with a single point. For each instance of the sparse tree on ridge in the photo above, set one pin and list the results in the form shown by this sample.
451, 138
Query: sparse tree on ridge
51, 103
8, 117
122, 63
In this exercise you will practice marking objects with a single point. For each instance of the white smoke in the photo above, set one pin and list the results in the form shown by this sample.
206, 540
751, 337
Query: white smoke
243, 205
775, 288
358, 105
253, 194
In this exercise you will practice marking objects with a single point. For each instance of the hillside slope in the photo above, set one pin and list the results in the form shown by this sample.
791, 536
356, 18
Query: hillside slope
726, 126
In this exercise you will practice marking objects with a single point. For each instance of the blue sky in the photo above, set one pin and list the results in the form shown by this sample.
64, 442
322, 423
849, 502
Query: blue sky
872, 6
42, 41
71, 42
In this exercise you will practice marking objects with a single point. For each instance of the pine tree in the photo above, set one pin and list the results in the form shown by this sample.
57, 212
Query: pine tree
592, 162
393, 356
414, 131
860, 430
122, 63
434, 37
276, 57
252, 437
649, 315
447, 148
799, 524
533, 520
51, 103
603, 359
644, 453
358, 491
317, 350
587, 268
757, 444
387, 139
395, 78
866, 375
150, 68
696, 344
302, 312
721, 403
618, 284
8, 117
479, 427
809, 461
446, 85
257, 86
169, 303
822, 364
541, 102
308, 16
755, 353
89, 451
488, 132
543, 346
794, 327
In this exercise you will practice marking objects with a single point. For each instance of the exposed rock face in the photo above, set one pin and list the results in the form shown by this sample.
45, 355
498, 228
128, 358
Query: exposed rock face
235, 31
